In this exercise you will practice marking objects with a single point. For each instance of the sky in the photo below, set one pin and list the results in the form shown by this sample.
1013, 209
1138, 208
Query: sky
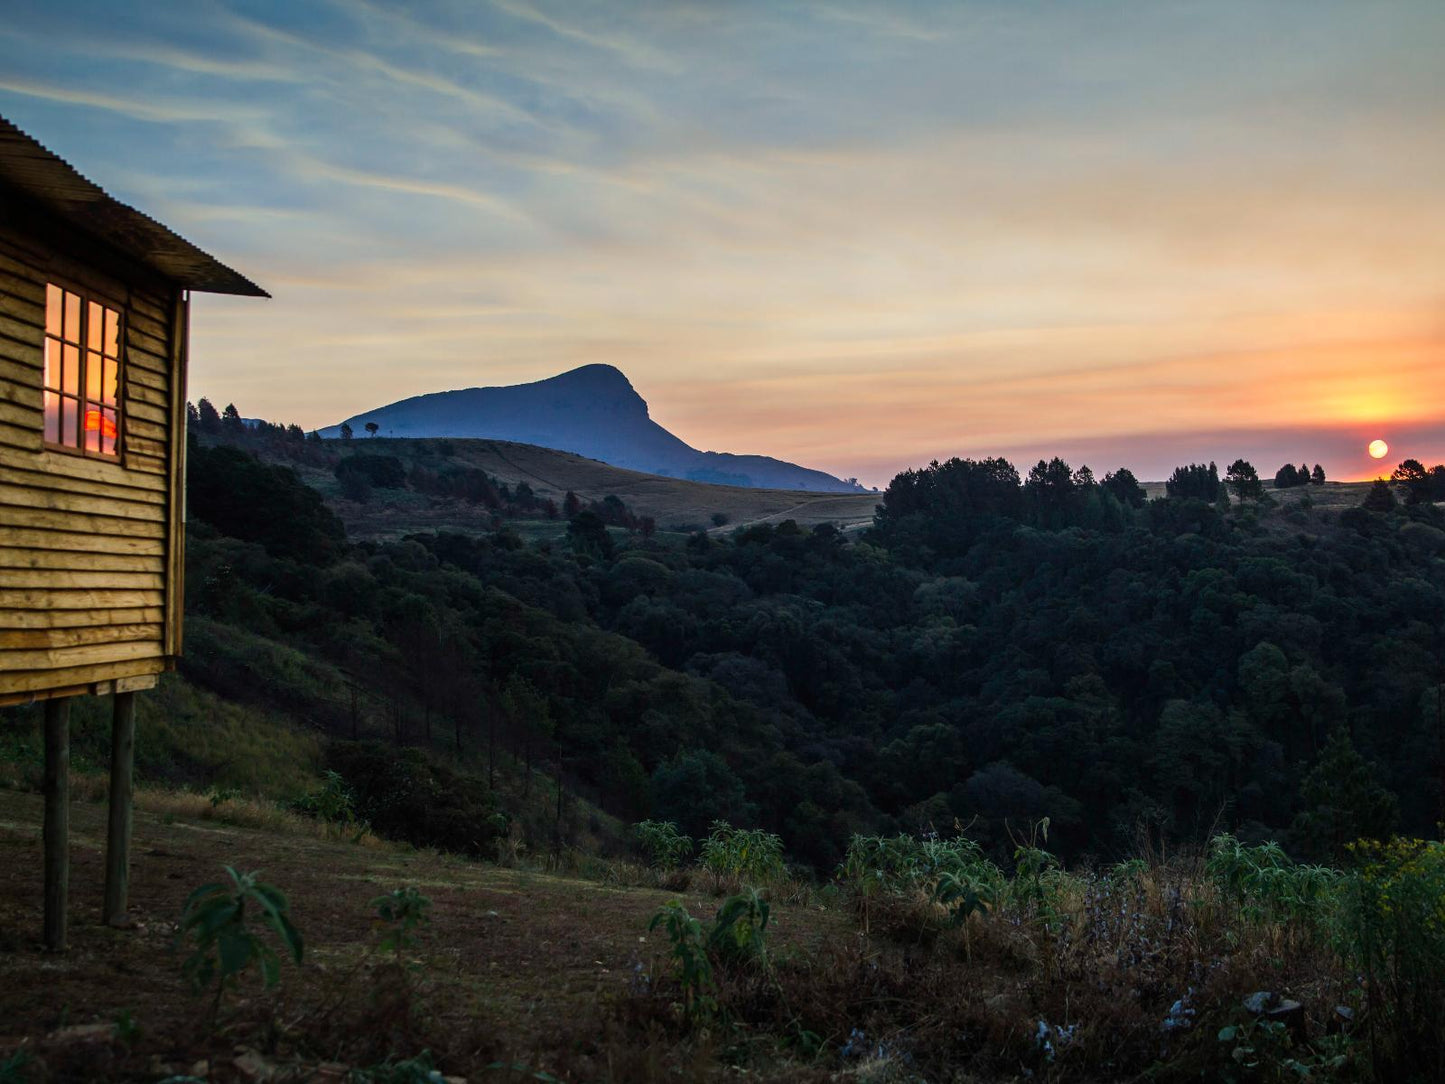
855, 236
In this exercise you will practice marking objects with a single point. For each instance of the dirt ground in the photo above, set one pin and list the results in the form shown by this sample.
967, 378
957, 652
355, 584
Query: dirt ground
512, 967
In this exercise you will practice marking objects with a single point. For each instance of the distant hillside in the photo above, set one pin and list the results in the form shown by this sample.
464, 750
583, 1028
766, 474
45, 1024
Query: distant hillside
593, 411
675, 503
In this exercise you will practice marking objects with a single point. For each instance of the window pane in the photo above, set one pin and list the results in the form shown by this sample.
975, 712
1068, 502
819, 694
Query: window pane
108, 382
52, 363
52, 417
94, 325
52, 310
72, 318
112, 333
92, 427
109, 430
70, 374
93, 375
67, 423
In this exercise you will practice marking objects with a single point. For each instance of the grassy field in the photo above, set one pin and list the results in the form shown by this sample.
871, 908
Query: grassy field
1241, 967
513, 965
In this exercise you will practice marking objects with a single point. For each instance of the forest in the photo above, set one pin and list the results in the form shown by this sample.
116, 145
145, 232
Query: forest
996, 649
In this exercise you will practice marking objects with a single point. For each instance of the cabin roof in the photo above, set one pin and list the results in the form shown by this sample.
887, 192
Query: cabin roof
43, 176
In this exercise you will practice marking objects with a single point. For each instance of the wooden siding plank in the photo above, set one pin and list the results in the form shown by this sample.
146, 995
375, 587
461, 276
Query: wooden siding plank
151, 464
78, 599
13, 639
56, 579
79, 619
102, 471
139, 357
21, 416
49, 519
38, 681
141, 429
79, 541
112, 504
25, 438
22, 372
139, 339
136, 374
24, 393
56, 658
64, 483
138, 410
14, 557
25, 310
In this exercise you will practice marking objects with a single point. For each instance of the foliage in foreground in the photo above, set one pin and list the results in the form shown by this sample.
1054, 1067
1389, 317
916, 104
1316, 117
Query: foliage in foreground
226, 944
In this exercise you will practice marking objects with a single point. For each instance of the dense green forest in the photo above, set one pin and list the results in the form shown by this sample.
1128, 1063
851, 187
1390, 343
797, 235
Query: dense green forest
996, 649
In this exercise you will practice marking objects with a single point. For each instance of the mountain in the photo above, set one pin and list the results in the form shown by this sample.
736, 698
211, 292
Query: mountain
592, 411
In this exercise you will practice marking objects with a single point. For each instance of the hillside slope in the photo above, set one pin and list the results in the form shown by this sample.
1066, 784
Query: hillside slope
593, 411
673, 502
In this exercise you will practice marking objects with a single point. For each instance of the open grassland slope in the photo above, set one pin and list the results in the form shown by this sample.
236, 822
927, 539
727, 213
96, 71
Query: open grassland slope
674, 503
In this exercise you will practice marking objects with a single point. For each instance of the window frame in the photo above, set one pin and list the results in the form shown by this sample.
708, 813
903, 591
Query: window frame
88, 295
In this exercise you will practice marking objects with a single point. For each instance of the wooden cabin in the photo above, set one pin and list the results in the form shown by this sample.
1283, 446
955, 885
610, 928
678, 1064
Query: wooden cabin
94, 304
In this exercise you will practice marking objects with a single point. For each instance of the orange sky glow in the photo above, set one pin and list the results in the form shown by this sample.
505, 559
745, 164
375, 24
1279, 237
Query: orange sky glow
855, 236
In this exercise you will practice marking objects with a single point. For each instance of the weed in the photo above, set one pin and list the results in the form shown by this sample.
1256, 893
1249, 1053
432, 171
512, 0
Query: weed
689, 949
215, 915
738, 930
399, 914
127, 1030
742, 855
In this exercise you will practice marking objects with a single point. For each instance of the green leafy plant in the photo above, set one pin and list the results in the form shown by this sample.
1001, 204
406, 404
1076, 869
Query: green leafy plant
127, 1030
742, 854
665, 847
737, 932
215, 916
420, 1069
399, 914
689, 951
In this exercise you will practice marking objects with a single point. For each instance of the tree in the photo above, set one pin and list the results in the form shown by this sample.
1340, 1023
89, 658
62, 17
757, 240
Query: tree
1343, 801
345, 431
1412, 477
1196, 481
1125, 488
571, 504
231, 423
1317, 476
1244, 480
1381, 497
588, 535
1287, 477
210, 421
371, 429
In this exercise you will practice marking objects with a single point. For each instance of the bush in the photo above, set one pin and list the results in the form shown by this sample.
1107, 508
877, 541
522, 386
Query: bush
1392, 935
380, 471
405, 795
665, 847
741, 855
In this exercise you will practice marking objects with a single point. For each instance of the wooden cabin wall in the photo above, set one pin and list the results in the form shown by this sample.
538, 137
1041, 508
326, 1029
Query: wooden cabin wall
88, 548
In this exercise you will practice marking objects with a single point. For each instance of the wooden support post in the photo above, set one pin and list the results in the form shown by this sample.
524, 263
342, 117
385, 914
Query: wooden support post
56, 833
117, 840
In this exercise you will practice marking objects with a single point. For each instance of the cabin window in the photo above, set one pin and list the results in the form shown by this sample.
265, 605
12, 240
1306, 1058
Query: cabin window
82, 373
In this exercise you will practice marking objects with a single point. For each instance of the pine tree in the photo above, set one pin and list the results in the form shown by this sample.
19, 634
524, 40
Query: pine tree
1317, 476
1342, 801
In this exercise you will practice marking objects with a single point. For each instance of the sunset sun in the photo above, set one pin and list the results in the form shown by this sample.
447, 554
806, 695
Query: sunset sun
1379, 449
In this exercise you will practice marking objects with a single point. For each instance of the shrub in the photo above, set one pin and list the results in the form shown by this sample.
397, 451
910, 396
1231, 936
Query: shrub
1392, 934
665, 847
742, 854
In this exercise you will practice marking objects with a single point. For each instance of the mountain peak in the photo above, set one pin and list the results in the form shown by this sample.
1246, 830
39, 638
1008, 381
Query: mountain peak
592, 410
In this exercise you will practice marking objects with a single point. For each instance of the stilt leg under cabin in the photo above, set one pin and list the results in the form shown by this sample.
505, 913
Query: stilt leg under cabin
117, 840
56, 832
